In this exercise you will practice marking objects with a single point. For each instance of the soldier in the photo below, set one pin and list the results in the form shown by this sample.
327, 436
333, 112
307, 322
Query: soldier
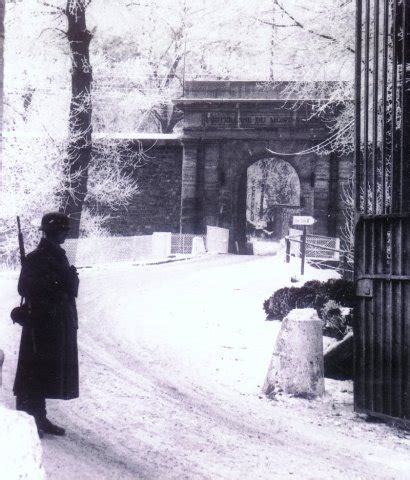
48, 358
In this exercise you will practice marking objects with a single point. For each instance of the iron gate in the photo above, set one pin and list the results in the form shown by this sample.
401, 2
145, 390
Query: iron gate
382, 241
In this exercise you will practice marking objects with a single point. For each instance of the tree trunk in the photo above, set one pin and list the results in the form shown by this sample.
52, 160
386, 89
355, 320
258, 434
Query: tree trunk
80, 130
167, 117
2, 12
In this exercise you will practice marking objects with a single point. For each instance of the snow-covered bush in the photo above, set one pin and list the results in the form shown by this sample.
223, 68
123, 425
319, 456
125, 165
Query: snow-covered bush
277, 306
337, 320
340, 290
332, 300
311, 294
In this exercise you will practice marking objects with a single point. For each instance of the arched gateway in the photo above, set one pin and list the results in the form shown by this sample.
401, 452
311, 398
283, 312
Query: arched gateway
271, 199
228, 126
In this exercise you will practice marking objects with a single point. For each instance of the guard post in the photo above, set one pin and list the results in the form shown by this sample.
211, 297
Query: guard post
287, 250
303, 221
303, 251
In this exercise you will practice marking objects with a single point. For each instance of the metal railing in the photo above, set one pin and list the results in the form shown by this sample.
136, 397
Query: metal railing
316, 251
181, 243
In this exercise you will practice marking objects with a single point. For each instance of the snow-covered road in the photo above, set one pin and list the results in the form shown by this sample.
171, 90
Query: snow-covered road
172, 359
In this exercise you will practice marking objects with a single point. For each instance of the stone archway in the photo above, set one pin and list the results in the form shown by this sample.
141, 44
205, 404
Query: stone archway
273, 189
228, 126
268, 195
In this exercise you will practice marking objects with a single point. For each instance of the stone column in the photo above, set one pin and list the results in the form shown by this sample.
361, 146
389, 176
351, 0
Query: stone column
321, 194
211, 184
189, 187
306, 195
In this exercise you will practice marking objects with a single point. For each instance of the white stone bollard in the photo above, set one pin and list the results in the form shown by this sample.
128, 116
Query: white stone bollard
1, 365
217, 239
198, 246
297, 361
161, 244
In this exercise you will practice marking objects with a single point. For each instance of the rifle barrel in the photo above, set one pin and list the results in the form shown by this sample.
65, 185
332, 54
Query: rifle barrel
21, 241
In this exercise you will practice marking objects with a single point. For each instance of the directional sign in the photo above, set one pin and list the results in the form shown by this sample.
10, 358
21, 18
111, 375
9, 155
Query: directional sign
303, 220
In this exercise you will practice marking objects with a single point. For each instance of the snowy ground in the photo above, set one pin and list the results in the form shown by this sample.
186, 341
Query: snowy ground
172, 359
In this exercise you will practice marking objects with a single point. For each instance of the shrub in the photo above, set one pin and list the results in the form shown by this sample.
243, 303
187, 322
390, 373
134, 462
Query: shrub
341, 291
286, 299
311, 294
279, 304
328, 298
336, 321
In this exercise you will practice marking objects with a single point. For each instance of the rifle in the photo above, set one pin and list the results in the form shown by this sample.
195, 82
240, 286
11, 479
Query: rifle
24, 311
21, 242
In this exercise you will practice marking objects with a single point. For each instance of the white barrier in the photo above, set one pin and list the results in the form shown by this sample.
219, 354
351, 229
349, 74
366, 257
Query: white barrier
217, 239
93, 251
198, 246
100, 250
161, 244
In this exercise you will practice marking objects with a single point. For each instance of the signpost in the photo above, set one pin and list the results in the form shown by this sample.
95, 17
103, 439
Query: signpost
303, 221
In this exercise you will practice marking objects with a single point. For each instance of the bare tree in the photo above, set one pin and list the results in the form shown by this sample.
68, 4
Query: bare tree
317, 44
178, 39
80, 141
38, 145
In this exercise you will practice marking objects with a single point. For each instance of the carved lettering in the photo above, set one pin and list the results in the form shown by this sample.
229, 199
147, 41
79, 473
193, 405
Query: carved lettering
231, 120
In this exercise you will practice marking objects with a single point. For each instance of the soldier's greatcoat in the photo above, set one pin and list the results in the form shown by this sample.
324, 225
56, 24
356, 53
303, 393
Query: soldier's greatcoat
48, 357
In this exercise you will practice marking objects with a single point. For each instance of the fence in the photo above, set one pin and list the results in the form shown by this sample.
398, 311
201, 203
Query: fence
94, 251
181, 243
318, 247
318, 250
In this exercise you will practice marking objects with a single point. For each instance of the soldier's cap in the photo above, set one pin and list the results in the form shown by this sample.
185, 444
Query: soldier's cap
54, 221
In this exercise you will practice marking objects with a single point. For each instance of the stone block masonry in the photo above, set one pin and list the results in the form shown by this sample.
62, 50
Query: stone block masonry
156, 207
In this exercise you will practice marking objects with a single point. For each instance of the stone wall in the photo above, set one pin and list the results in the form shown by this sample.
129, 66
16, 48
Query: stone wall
212, 174
157, 205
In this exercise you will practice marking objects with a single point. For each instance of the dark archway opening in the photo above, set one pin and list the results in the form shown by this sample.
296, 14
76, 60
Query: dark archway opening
268, 197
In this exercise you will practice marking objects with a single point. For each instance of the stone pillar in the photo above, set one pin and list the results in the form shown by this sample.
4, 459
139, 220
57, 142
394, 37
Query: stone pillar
296, 367
211, 184
306, 196
189, 187
334, 195
321, 195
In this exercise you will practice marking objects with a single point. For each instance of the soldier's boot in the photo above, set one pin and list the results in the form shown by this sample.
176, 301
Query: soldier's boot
45, 426
34, 406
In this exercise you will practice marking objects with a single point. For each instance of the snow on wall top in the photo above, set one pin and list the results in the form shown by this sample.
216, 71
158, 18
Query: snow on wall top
253, 90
